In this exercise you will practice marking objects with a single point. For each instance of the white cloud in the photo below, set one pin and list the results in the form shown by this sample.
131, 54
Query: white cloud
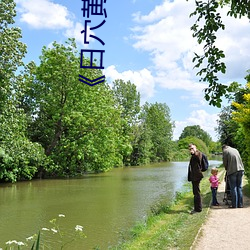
165, 33
143, 80
75, 32
159, 12
48, 15
44, 14
234, 41
170, 43
208, 122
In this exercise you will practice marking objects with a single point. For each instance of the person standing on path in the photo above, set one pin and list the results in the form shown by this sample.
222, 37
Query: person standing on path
195, 175
235, 169
214, 186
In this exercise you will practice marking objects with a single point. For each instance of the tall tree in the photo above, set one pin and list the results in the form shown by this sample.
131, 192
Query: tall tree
20, 158
229, 130
184, 142
12, 51
196, 131
157, 121
78, 125
241, 115
208, 23
128, 100
227, 127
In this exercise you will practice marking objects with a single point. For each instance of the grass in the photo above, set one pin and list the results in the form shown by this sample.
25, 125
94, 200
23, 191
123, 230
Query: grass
170, 226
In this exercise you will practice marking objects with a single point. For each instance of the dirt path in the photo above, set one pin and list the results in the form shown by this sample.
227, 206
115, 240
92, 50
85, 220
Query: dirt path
225, 228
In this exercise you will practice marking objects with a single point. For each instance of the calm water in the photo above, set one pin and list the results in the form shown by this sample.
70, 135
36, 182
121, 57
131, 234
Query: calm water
104, 204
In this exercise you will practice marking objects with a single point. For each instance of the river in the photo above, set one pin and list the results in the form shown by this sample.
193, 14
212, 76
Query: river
104, 204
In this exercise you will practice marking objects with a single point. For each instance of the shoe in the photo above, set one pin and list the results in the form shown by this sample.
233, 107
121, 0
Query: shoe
217, 204
194, 212
231, 207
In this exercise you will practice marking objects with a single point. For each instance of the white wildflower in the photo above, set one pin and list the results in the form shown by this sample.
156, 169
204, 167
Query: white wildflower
78, 228
54, 230
29, 238
61, 215
10, 242
45, 229
20, 243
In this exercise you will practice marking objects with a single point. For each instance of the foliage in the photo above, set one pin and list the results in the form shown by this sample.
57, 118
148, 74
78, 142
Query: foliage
233, 124
227, 127
128, 100
201, 146
142, 145
241, 115
79, 126
205, 28
12, 50
21, 158
215, 147
155, 119
196, 131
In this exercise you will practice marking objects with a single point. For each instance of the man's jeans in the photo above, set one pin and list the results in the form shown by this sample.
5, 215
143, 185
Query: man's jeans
235, 182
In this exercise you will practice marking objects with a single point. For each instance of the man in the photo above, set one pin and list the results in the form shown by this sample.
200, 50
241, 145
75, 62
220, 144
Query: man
235, 170
195, 175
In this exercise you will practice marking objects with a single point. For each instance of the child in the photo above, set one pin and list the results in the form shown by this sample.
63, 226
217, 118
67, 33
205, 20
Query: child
214, 185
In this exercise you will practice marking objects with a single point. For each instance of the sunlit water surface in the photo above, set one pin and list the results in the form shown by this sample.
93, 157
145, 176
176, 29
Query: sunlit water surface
104, 204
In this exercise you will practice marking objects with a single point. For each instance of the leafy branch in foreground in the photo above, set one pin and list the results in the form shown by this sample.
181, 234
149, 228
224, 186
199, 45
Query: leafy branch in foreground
210, 63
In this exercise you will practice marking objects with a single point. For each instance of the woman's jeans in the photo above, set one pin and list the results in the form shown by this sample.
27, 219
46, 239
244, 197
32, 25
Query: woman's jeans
214, 196
235, 182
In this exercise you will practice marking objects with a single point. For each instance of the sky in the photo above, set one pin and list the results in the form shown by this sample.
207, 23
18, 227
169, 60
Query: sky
147, 42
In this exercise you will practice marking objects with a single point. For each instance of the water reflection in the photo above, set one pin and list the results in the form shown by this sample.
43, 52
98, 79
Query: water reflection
105, 204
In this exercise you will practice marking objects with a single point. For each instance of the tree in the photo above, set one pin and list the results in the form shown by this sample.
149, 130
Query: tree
78, 125
227, 127
156, 120
183, 144
208, 23
20, 158
196, 131
12, 51
229, 130
242, 117
128, 100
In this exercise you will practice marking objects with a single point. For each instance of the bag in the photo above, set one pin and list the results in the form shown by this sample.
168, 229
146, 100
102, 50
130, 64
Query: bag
204, 163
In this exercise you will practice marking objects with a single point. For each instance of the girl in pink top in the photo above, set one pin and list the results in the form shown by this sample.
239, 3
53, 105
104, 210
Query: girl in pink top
214, 186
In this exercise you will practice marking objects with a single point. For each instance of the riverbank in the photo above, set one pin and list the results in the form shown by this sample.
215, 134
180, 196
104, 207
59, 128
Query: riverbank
172, 227
175, 228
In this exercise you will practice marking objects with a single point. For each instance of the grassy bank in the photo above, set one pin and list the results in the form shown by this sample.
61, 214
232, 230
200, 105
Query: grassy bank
170, 227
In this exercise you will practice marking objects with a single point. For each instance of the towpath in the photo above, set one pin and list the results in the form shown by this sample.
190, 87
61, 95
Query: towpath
225, 228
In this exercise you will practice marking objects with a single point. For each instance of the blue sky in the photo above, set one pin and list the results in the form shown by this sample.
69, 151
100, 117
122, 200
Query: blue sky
148, 42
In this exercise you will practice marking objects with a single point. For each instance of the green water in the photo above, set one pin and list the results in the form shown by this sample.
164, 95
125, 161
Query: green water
105, 204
